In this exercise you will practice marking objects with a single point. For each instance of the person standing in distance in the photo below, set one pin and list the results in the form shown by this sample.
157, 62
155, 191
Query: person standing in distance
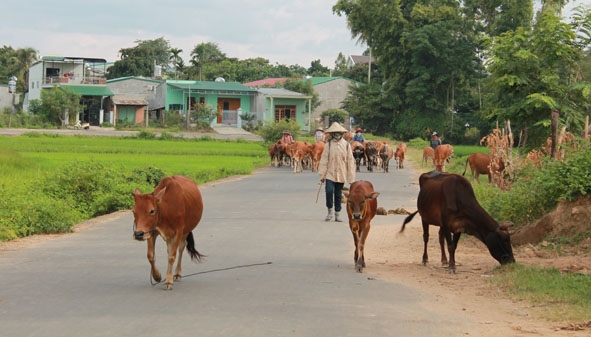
435, 141
336, 167
319, 135
358, 137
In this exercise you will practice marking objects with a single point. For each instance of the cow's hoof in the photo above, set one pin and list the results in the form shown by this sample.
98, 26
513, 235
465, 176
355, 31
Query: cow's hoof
359, 268
452, 272
168, 286
177, 277
157, 277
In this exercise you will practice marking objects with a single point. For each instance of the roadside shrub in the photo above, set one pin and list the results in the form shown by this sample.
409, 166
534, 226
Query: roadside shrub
536, 191
271, 131
25, 210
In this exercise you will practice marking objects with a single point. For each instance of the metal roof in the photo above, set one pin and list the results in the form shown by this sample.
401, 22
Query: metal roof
211, 87
280, 92
88, 90
128, 100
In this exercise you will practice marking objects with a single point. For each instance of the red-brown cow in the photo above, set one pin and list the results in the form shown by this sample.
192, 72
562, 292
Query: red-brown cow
443, 154
316, 153
480, 164
172, 211
400, 154
428, 154
297, 150
361, 207
447, 200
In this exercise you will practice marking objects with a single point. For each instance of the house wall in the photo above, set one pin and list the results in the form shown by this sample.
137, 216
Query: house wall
331, 95
35, 81
137, 87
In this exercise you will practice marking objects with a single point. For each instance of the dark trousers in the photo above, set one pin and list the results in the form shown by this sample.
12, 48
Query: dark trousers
334, 194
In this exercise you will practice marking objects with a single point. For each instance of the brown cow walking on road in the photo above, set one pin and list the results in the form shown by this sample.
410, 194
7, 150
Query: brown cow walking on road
362, 204
448, 201
172, 211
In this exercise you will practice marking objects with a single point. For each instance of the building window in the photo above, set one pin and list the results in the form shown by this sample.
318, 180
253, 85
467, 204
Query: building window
284, 112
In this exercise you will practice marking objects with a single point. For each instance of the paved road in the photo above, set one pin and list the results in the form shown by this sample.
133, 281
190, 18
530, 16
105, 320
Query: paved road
96, 282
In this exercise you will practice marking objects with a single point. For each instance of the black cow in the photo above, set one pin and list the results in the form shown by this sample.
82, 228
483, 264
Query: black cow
447, 200
372, 152
358, 153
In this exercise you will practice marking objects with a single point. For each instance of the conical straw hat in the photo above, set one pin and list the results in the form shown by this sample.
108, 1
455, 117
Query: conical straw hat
335, 127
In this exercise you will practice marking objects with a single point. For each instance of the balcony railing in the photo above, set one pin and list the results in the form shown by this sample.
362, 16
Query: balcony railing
73, 79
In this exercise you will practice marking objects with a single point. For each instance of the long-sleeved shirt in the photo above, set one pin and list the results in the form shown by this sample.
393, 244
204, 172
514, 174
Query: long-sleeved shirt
337, 162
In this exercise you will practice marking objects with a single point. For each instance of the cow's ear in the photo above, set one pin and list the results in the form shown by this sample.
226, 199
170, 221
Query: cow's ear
160, 194
372, 196
346, 194
136, 192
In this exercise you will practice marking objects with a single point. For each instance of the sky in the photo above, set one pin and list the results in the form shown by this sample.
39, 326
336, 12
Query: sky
287, 32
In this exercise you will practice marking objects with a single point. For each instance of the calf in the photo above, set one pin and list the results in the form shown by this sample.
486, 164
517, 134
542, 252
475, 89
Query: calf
172, 211
361, 208
480, 163
448, 201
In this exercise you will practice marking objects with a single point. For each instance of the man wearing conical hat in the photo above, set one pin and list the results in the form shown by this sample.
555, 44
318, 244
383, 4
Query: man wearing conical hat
336, 167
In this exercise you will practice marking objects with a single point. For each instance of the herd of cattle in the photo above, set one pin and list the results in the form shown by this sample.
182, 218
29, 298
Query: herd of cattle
445, 200
302, 155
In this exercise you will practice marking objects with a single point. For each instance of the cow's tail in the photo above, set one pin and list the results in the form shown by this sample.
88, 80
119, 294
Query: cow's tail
195, 255
407, 220
465, 167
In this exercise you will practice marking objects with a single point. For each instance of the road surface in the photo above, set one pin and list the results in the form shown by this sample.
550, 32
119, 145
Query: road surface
274, 267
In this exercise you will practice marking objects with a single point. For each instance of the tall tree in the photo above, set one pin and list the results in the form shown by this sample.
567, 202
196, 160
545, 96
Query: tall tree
317, 69
340, 65
176, 60
534, 72
204, 54
141, 59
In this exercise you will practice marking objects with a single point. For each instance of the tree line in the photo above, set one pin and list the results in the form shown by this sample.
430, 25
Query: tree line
460, 66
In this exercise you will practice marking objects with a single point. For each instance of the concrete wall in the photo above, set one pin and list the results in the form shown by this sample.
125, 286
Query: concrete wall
331, 95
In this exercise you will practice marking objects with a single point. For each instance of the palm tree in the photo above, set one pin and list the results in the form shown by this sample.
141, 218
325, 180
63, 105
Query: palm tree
176, 60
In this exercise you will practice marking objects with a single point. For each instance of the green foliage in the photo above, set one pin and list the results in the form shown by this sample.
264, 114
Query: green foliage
50, 182
56, 101
335, 115
550, 287
537, 191
139, 60
271, 131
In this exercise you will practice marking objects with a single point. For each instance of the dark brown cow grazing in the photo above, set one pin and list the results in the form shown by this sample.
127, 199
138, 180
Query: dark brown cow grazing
361, 207
448, 201
172, 211
480, 164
